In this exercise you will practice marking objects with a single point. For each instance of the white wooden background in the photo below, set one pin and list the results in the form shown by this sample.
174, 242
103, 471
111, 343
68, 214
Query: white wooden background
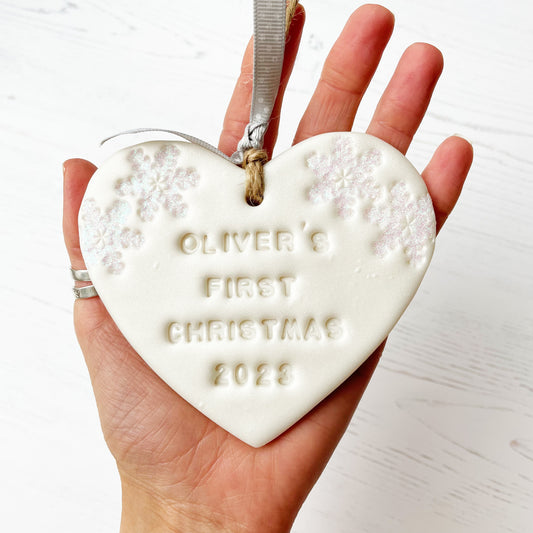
443, 441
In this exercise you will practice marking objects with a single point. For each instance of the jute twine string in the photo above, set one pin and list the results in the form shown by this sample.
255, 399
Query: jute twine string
254, 159
289, 14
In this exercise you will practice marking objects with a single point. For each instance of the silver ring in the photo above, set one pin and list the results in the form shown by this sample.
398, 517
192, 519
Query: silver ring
81, 293
80, 275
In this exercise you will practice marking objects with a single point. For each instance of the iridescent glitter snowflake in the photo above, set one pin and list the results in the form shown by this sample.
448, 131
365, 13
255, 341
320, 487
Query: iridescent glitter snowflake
103, 235
344, 175
406, 223
156, 183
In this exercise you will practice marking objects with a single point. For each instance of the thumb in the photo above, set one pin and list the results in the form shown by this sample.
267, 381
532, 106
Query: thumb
76, 176
89, 313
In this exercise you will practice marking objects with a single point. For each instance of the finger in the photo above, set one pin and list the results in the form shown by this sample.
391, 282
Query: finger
407, 96
347, 72
76, 176
238, 113
446, 174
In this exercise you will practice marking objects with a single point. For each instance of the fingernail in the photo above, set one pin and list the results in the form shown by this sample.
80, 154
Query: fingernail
462, 137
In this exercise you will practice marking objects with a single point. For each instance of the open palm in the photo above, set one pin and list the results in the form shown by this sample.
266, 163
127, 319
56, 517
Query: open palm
179, 470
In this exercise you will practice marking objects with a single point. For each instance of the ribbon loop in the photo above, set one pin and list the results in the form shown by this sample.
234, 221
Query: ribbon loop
186, 136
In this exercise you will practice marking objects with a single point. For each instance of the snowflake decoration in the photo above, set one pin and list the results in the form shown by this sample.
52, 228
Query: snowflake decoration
102, 236
344, 175
406, 223
157, 182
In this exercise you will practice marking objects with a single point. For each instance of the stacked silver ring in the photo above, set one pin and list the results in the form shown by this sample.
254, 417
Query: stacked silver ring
82, 292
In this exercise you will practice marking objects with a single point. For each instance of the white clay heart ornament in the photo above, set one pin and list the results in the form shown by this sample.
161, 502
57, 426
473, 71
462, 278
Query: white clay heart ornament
255, 314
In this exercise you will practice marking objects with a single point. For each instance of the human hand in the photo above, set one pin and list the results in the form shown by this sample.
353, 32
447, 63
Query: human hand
180, 471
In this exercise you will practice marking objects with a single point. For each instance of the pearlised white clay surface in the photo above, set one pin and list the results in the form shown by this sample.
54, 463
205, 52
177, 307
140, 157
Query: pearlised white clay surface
255, 314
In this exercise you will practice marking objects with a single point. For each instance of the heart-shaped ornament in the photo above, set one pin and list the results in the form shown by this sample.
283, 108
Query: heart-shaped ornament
255, 314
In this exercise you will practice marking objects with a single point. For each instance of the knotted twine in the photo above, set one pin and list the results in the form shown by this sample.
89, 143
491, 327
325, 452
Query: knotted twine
270, 32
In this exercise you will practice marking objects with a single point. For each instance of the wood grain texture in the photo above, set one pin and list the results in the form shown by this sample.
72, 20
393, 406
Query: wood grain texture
443, 440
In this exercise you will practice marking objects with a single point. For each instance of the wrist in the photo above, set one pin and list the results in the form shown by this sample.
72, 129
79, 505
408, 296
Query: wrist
146, 511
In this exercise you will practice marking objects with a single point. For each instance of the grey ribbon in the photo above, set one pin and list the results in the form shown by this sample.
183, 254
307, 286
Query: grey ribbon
269, 49
185, 136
